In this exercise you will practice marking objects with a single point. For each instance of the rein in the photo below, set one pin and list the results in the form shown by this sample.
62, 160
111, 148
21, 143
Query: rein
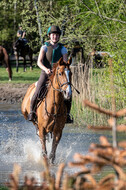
55, 89
59, 83
60, 90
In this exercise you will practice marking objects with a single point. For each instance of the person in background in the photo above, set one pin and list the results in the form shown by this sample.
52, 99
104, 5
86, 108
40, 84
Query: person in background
49, 54
21, 34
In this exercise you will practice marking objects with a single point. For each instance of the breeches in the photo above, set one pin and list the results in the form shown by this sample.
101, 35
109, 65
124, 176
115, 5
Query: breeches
40, 85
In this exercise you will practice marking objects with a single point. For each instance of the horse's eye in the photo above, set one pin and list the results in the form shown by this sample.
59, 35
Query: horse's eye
60, 74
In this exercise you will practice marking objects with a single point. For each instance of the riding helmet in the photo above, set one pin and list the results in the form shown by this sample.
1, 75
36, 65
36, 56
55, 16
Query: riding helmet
54, 29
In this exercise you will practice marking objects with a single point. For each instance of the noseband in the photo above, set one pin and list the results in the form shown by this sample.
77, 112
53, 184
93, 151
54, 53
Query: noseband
59, 83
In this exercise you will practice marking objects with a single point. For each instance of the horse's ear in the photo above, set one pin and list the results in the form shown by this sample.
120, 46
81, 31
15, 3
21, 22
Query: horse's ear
60, 62
69, 61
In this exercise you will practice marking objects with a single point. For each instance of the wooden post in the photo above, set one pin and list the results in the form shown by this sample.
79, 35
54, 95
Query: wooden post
113, 105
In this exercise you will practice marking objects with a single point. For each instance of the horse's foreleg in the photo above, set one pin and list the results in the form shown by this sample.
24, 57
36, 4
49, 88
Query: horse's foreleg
42, 135
10, 78
31, 60
56, 139
24, 64
17, 63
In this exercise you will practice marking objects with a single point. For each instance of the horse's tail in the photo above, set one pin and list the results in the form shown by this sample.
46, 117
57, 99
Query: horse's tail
25, 106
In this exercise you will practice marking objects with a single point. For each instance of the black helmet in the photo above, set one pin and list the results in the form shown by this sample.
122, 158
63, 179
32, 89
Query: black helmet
54, 29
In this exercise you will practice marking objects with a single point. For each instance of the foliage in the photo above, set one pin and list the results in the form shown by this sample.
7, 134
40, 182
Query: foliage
3, 188
93, 24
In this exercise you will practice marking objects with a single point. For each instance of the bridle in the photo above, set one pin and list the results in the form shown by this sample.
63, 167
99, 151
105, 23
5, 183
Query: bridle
65, 83
56, 89
59, 83
55, 115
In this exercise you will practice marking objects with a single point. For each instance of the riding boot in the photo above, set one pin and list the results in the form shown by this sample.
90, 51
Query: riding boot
38, 95
32, 116
68, 105
36, 98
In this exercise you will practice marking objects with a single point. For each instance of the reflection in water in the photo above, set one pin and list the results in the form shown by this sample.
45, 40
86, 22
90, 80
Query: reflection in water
20, 144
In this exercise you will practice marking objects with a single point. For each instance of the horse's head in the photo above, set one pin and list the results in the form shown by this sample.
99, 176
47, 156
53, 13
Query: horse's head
63, 78
18, 44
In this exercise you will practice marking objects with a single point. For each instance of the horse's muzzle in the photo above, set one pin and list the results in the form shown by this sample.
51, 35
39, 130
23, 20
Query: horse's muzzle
67, 93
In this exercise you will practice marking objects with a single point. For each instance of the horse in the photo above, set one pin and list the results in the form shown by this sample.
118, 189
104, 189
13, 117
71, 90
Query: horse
4, 58
21, 48
75, 51
99, 58
52, 111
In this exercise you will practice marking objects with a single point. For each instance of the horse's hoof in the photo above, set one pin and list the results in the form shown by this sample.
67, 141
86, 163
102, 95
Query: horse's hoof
51, 158
10, 80
44, 154
37, 132
51, 162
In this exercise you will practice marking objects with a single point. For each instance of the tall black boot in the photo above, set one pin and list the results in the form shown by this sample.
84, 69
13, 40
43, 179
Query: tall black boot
36, 98
32, 116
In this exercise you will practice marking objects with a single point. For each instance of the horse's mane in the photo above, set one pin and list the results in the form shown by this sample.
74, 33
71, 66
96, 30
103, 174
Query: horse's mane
54, 71
55, 65
49, 82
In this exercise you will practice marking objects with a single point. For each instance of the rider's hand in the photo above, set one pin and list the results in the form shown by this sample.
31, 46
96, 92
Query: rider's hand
48, 71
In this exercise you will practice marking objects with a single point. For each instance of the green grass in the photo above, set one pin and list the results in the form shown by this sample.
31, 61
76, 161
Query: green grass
27, 77
3, 188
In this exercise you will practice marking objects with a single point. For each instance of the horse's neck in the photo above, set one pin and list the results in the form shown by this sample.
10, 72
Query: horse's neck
54, 97
54, 92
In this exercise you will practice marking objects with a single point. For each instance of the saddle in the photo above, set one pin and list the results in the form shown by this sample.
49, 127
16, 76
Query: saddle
42, 94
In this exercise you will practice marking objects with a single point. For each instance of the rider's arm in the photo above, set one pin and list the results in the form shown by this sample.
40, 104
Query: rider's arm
18, 34
40, 61
23, 35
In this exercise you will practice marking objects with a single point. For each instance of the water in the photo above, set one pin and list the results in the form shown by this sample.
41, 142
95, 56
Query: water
20, 144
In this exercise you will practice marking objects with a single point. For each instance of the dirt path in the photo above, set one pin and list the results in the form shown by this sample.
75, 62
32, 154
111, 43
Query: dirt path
12, 93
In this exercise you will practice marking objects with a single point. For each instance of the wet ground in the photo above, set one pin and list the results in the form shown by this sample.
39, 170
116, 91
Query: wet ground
20, 144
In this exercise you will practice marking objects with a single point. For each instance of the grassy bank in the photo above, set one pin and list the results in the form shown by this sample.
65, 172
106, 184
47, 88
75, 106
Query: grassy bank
95, 88
27, 77
3, 188
95, 85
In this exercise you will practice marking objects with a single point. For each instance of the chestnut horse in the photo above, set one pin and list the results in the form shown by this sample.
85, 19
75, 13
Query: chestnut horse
4, 58
52, 111
22, 49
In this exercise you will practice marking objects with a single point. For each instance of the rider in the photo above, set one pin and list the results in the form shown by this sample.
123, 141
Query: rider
50, 53
21, 35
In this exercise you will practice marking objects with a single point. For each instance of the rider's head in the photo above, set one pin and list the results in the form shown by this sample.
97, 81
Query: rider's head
54, 33
20, 27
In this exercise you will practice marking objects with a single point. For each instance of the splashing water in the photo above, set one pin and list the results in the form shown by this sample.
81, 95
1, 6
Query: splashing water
20, 144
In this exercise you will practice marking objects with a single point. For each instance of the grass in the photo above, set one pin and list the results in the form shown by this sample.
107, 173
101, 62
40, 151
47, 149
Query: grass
3, 188
82, 115
27, 77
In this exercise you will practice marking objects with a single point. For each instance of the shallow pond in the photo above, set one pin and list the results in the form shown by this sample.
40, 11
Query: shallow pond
20, 144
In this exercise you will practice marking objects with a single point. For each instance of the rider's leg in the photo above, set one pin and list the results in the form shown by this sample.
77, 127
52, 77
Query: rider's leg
34, 101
